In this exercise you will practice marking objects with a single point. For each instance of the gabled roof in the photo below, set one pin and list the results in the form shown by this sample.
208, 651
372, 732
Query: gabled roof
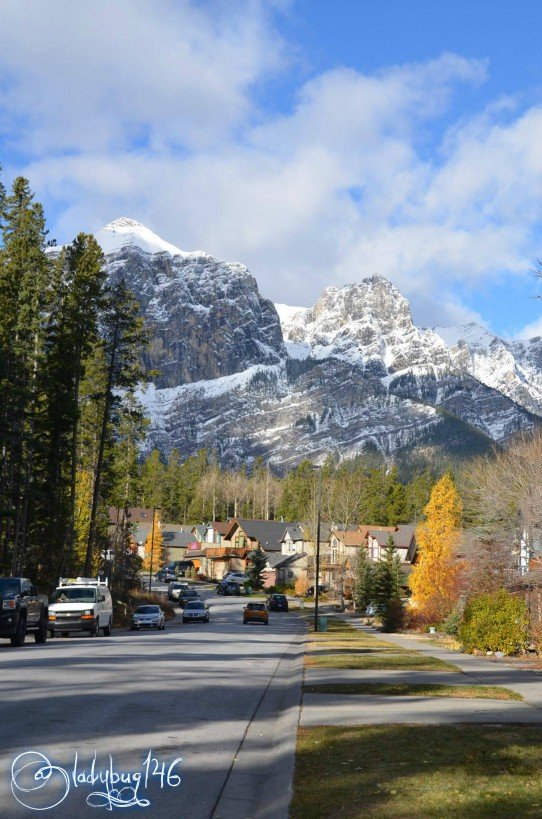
349, 538
295, 531
287, 560
199, 530
402, 535
221, 526
176, 538
268, 533
141, 531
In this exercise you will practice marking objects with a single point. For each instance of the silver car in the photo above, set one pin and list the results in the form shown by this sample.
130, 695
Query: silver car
148, 616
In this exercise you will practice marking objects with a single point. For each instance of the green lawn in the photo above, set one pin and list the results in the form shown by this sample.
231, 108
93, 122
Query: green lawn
397, 662
481, 692
406, 771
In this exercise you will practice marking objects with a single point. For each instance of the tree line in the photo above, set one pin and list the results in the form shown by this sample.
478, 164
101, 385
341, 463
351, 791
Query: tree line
352, 492
70, 352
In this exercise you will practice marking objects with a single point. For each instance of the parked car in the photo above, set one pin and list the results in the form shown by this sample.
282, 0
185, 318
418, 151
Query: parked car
322, 589
175, 589
255, 613
148, 616
237, 577
166, 575
228, 587
184, 566
277, 602
196, 610
186, 596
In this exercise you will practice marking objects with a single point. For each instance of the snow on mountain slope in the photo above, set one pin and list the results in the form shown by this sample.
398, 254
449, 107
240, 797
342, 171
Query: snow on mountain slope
244, 377
125, 232
513, 368
367, 324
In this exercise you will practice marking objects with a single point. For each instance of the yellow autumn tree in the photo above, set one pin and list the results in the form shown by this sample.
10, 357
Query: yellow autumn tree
436, 575
154, 547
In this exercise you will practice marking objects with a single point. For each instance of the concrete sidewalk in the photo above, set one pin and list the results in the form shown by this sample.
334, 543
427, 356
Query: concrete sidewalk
478, 670
359, 709
362, 709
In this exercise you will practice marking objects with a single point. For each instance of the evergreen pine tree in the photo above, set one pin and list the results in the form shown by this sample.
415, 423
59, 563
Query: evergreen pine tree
364, 582
258, 561
123, 341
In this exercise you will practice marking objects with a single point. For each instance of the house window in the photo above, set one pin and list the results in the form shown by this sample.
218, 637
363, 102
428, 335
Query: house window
290, 573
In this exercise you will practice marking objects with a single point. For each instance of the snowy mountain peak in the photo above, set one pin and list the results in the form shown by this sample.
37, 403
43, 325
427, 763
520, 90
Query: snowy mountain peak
124, 232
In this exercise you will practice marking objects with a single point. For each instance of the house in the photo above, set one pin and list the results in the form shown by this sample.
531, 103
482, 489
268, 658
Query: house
290, 568
245, 533
215, 531
177, 539
294, 539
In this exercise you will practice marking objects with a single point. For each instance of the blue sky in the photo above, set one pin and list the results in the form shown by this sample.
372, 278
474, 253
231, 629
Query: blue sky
318, 142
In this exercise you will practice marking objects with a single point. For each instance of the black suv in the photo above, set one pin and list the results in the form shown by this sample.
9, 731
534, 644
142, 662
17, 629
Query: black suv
277, 602
22, 610
227, 587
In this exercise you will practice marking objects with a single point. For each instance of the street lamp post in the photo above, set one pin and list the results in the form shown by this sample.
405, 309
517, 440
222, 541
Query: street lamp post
154, 511
317, 579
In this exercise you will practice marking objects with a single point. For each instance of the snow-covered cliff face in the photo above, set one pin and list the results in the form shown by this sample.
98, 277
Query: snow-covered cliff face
352, 373
207, 317
513, 368
367, 324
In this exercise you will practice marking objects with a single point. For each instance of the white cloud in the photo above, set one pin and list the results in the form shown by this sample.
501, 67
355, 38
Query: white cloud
146, 109
88, 76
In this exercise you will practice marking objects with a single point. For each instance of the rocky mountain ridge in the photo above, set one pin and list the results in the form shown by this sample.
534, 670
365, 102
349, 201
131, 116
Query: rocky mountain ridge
350, 374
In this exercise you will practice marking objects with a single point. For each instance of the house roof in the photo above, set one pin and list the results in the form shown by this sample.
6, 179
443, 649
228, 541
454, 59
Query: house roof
295, 531
175, 537
136, 514
287, 560
199, 530
349, 538
141, 531
402, 535
221, 526
275, 559
268, 533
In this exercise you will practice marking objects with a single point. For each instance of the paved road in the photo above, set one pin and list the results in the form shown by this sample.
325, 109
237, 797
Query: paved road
222, 696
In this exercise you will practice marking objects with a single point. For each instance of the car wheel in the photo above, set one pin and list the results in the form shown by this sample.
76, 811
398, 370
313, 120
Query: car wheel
17, 639
64, 634
94, 631
40, 636
107, 629
52, 634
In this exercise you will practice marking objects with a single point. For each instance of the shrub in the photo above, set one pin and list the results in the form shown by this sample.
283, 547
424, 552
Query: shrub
393, 615
495, 622
452, 623
140, 598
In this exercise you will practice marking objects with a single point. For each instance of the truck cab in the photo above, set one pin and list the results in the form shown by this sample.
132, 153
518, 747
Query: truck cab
22, 610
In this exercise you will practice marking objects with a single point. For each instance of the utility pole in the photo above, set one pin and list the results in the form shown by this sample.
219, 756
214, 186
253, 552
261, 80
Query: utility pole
318, 513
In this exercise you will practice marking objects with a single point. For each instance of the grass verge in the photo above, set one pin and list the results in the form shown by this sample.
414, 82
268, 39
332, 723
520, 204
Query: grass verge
479, 692
379, 662
430, 771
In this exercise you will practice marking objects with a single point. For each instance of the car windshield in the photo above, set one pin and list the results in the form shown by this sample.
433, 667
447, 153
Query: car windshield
9, 586
148, 610
72, 594
256, 606
190, 593
197, 604
279, 598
